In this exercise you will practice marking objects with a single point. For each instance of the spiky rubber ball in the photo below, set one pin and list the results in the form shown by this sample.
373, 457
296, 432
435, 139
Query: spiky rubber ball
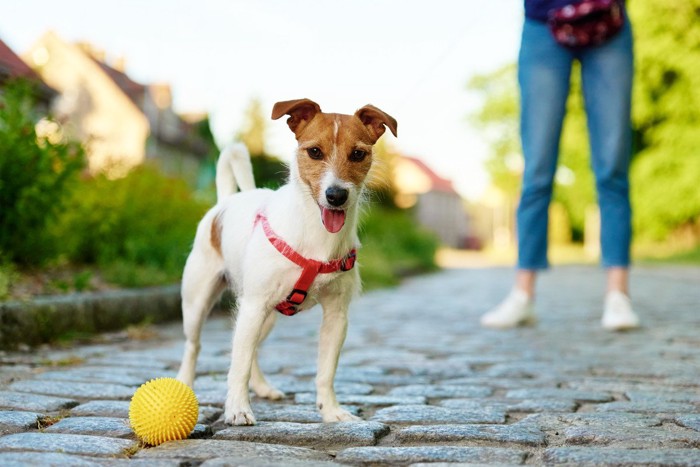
163, 409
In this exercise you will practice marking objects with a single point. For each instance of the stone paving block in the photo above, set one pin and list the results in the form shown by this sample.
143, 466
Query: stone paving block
100, 408
501, 383
441, 391
14, 421
266, 462
34, 402
317, 435
430, 368
298, 413
522, 369
513, 406
92, 375
341, 387
142, 362
69, 444
621, 420
215, 398
557, 393
46, 459
633, 437
517, 434
74, 389
650, 407
367, 375
689, 421
689, 397
622, 457
440, 415
98, 426
409, 455
308, 398
204, 449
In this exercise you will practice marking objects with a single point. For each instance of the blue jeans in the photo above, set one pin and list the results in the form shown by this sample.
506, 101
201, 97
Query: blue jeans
544, 70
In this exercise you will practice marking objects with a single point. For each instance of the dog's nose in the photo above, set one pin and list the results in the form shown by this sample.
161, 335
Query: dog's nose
336, 196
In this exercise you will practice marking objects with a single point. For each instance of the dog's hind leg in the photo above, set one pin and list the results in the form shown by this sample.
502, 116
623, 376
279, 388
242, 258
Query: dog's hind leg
257, 379
333, 330
202, 285
249, 324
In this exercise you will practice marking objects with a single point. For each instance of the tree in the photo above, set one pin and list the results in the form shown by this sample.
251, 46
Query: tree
665, 166
666, 170
37, 173
270, 171
254, 128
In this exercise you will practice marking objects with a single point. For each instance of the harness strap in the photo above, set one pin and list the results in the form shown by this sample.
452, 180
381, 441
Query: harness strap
310, 268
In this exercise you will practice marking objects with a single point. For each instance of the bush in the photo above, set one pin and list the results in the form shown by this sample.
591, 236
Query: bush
393, 246
37, 174
145, 219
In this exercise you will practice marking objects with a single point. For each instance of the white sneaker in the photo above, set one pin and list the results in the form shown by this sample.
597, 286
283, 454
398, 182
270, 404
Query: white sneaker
515, 310
618, 314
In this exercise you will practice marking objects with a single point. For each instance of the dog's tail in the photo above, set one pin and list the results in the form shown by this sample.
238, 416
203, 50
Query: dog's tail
233, 171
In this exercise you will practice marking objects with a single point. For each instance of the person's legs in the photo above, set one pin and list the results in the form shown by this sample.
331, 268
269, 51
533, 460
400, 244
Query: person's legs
607, 74
544, 70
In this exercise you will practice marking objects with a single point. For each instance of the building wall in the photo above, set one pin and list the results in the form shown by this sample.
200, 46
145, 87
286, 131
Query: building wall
91, 107
443, 214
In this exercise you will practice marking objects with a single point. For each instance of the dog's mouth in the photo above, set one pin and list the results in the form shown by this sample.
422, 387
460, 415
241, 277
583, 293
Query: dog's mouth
333, 219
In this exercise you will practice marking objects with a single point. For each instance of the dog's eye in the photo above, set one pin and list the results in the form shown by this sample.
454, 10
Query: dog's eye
358, 155
315, 153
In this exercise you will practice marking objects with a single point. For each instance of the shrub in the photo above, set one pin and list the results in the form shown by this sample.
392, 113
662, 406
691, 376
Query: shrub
144, 219
393, 245
37, 174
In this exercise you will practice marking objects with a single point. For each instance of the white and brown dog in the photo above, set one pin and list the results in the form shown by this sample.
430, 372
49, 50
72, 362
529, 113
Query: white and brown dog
283, 250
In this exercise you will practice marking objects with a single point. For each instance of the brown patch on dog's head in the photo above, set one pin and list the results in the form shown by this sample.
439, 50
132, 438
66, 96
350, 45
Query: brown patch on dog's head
341, 144
300, 111
215, 233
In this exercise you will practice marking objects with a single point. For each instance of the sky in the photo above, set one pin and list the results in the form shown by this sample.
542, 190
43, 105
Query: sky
412, 59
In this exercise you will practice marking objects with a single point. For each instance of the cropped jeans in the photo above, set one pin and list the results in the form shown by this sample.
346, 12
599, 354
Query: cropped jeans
544, 70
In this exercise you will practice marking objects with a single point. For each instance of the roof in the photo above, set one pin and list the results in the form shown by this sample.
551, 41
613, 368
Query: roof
131, 88
12, 66
438, 183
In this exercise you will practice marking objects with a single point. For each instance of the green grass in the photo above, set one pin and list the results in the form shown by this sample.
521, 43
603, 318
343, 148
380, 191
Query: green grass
686, 257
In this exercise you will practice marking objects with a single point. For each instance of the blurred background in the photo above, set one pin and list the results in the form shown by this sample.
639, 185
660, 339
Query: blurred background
111, 116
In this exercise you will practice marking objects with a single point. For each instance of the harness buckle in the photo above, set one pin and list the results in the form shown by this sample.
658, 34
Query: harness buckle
348, 262
297, 297
287, 308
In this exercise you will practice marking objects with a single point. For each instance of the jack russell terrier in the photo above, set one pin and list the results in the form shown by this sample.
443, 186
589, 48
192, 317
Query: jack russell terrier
283, 250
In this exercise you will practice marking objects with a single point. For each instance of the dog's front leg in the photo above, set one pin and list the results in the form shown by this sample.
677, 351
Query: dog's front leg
333, 330
249, 322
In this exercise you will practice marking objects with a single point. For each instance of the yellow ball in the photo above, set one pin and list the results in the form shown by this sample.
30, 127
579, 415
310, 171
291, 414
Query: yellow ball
163, 409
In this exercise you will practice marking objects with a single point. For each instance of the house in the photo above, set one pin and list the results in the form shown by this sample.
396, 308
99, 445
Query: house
12, 66
436, 204
123, 123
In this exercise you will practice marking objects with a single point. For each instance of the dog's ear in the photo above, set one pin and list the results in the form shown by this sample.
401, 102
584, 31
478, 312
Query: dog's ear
375, 119
300, 112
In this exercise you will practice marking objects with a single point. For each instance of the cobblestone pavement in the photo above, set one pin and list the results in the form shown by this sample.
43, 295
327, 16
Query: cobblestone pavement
431, 385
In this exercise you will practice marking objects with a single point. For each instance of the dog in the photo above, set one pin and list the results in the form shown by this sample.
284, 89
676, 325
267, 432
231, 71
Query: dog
285, 250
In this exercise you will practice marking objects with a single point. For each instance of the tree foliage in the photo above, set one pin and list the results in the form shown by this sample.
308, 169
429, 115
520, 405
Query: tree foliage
666, 110
37, 173
666, 122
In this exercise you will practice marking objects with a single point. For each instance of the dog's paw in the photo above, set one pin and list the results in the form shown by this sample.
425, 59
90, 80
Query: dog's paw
240, 417
337, 414
272, 394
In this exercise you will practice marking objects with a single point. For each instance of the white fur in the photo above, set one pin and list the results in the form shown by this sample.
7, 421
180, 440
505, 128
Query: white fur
261, 277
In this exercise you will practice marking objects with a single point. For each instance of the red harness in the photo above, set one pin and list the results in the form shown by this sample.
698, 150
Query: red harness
310, 268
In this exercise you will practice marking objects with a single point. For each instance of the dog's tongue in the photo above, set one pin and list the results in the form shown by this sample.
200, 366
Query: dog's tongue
333, 219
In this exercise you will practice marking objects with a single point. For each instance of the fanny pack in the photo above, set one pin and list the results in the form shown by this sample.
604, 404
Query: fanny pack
588, 23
